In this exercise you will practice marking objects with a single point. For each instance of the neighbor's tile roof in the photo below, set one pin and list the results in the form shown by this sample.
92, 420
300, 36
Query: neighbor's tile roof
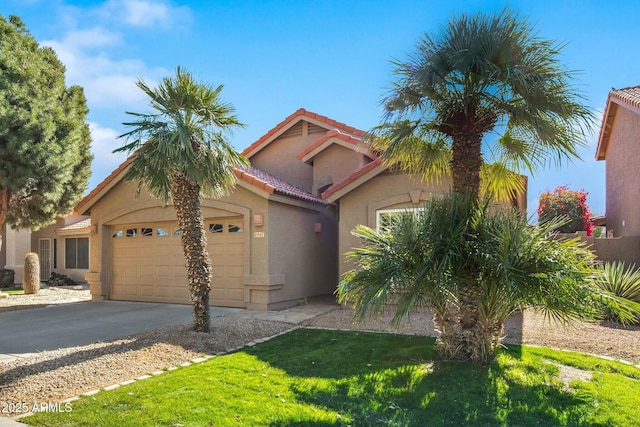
265, 139
272, 184
630, 95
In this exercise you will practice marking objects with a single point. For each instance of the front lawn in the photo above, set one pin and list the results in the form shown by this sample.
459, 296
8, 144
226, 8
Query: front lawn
13, 291
318, 377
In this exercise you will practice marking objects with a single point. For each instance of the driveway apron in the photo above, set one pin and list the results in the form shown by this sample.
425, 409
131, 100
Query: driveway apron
69, 325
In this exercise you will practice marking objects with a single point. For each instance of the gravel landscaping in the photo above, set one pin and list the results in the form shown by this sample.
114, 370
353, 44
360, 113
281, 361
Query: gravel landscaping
65, 373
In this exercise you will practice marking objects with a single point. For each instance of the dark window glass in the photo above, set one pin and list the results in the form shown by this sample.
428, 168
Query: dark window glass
76, 253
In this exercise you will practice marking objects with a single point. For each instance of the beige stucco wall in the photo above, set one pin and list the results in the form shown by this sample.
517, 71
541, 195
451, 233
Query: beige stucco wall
623, 175
58, 249
279, 158
334, 164
120, 206
385, 191
303, 254
285, 260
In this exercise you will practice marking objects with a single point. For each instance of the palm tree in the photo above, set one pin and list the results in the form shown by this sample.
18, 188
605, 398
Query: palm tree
485, 79
180, 152
435, 257
482, 75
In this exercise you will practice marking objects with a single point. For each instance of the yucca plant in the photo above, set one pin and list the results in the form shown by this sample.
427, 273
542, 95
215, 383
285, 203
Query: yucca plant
624, 283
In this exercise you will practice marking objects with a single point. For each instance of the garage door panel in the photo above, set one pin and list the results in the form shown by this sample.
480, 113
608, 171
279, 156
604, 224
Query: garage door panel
146, 291
131, 252
236, 294
234, 248
146, 270
162, 271
151, 267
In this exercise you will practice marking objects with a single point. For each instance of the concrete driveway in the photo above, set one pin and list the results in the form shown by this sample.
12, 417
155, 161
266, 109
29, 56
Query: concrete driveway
68, 325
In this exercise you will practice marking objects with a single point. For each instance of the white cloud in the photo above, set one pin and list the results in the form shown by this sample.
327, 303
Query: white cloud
104, 141
145, 13
92, 37
106, 82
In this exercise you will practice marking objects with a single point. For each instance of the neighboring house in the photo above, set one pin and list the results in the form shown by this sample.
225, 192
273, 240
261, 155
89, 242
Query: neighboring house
619, 145
15, 245
275, 241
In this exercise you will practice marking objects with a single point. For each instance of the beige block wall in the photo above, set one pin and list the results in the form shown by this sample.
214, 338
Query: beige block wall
623, 175
333, 165
279, 158
305, 256
385, 191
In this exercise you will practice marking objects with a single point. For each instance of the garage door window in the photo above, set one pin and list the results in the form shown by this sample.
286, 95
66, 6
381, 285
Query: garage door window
76, 253
235, 228
216, 228
161, 232
131, 232
118, 234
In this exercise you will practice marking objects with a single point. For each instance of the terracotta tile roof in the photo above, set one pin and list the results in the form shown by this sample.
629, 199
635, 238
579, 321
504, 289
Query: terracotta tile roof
629, 97
272, 184
82, 224
334, 133
348, 180
265, 139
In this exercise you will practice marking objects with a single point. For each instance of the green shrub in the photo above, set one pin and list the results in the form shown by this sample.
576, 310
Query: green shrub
621, 282
6, 278
58, 279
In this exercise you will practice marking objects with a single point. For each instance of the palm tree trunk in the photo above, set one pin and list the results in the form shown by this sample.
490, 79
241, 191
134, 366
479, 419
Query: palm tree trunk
186, 199
466, 162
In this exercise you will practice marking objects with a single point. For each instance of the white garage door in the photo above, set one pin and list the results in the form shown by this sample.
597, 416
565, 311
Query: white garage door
148, 263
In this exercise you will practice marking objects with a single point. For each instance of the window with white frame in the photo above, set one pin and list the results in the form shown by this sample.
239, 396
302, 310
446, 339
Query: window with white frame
76, 254
386, 217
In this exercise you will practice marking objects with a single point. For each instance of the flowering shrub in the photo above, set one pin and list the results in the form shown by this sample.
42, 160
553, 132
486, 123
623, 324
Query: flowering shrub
567, 203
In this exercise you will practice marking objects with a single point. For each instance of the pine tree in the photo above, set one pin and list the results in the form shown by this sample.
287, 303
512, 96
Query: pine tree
45, 142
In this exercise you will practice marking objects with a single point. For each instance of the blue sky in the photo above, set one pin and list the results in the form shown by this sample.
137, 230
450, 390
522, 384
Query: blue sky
330, 57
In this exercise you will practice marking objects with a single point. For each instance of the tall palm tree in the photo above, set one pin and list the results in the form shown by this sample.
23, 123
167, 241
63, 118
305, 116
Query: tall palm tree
180, 152
483, 79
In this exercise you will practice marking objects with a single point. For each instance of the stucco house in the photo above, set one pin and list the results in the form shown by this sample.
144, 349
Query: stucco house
275, 241
15, 245
618, 145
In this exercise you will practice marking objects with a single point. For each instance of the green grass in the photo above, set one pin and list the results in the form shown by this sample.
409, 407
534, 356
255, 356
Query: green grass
13, 291
315, 378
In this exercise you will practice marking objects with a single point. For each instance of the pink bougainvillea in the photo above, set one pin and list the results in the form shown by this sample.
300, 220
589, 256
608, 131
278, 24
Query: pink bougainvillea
567, 203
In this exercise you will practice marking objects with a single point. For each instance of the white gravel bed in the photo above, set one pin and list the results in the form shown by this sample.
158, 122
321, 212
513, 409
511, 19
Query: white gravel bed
53, 376
46, 296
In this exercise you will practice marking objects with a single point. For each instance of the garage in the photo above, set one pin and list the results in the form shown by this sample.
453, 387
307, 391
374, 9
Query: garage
147, 262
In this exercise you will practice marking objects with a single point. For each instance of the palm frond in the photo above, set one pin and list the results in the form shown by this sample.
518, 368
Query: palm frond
185, 134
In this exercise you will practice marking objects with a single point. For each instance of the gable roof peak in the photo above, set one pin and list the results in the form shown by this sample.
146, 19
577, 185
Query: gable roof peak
294, 118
